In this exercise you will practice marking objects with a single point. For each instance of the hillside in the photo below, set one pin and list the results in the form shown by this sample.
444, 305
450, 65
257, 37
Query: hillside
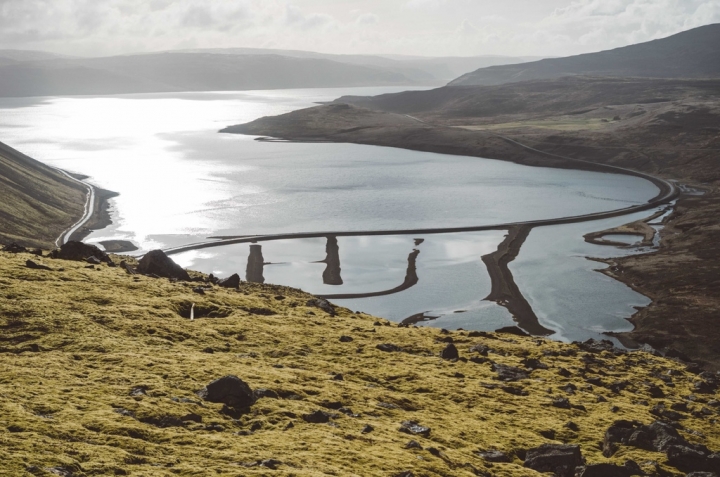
37, 203
167, 72
101, 373
690, 54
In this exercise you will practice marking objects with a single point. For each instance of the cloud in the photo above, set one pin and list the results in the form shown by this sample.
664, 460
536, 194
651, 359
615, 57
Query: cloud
367, 19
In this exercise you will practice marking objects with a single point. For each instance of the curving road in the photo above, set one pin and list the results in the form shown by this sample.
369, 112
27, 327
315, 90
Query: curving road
87, 214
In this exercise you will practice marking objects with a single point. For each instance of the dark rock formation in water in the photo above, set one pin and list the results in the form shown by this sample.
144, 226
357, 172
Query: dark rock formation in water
331, 275
254, 270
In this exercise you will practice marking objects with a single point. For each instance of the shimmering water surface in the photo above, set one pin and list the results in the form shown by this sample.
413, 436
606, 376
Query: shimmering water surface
181, 182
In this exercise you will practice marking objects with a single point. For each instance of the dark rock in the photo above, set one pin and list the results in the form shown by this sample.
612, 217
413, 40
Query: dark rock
139, 391
388, 348
93, 261
494, 456
557, 458
607, 470
511, 330
163, 421
334, 405
271, 464
413, 445
345, 339
572, 426
660, 411
657, 437
229, 390
702, 474
450, 352
562, 403
694, 368
367, 429
406, 473
656, 391
532, 363
128, 269
233, 281
434, 451
412, 427
686, 458
514, 390
199, 290
338, 377
80, 252
618, 386
156, 262
14, 248
564, 373
480, 349
317, 417
548, 434
192, 417
36, 266
265, 393
594, 346
61, 471
680, 406
323, 304
509, 373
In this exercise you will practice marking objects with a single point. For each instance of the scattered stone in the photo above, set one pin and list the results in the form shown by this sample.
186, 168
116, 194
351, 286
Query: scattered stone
367, 429
128, 269
564, 373
388, 348
607, 470
61, 471
323, 304
658, 437
557, 458
139, 391
163, 422
233, 281
660, 411
511, 330
270, 463
265, 393
413, 445
229, 390
594, 346
79, 252
345, 339
562, 403
548, 434
572, 426
450, 352
514, 390
14, 248
199, 290
317, 417
509, 373
494, 456
533, 363
412, 427
192, 417
93, 261
480, 349
338, 377
36, 266
156, 262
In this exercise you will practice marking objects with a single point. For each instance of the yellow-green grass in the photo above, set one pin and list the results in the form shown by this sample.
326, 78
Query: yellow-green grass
75, 343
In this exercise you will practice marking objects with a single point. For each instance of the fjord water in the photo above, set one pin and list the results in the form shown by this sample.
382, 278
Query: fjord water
181, 182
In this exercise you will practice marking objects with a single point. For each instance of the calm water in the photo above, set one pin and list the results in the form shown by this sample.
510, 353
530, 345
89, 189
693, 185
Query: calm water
181, 182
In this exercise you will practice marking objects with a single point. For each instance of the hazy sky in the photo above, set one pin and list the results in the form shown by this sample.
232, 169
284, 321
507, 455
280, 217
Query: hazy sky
413, 27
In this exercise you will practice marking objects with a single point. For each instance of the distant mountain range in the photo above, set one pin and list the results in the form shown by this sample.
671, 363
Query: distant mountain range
33, 73
691, 54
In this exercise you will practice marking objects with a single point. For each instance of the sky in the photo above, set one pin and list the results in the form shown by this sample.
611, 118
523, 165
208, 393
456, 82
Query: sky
408, 27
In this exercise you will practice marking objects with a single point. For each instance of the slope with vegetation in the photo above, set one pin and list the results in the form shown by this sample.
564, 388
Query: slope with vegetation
104, 374
690, 54
37, 202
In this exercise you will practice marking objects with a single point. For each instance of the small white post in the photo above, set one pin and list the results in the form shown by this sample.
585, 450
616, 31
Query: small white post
192, 312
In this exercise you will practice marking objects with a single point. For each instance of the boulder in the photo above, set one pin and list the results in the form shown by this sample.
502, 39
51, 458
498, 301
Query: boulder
323, 304
607, 470
36, 266
557, 458
509, 373
494, 456
80, 252
450, 352
412, 427
229, 390
317, 417
233, 281
157, 263
388, 348
14, 248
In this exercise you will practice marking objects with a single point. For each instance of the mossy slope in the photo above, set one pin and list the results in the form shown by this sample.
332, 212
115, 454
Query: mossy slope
74, 343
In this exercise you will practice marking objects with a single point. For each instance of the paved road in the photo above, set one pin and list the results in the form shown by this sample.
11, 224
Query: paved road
87, 214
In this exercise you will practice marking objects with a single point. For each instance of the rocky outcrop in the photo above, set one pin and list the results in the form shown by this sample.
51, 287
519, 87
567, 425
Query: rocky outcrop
81, 252
559, 459
157, 263
229, 390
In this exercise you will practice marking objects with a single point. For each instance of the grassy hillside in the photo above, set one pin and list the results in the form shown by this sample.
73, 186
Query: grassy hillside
37, 203
101, 369
690, 54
